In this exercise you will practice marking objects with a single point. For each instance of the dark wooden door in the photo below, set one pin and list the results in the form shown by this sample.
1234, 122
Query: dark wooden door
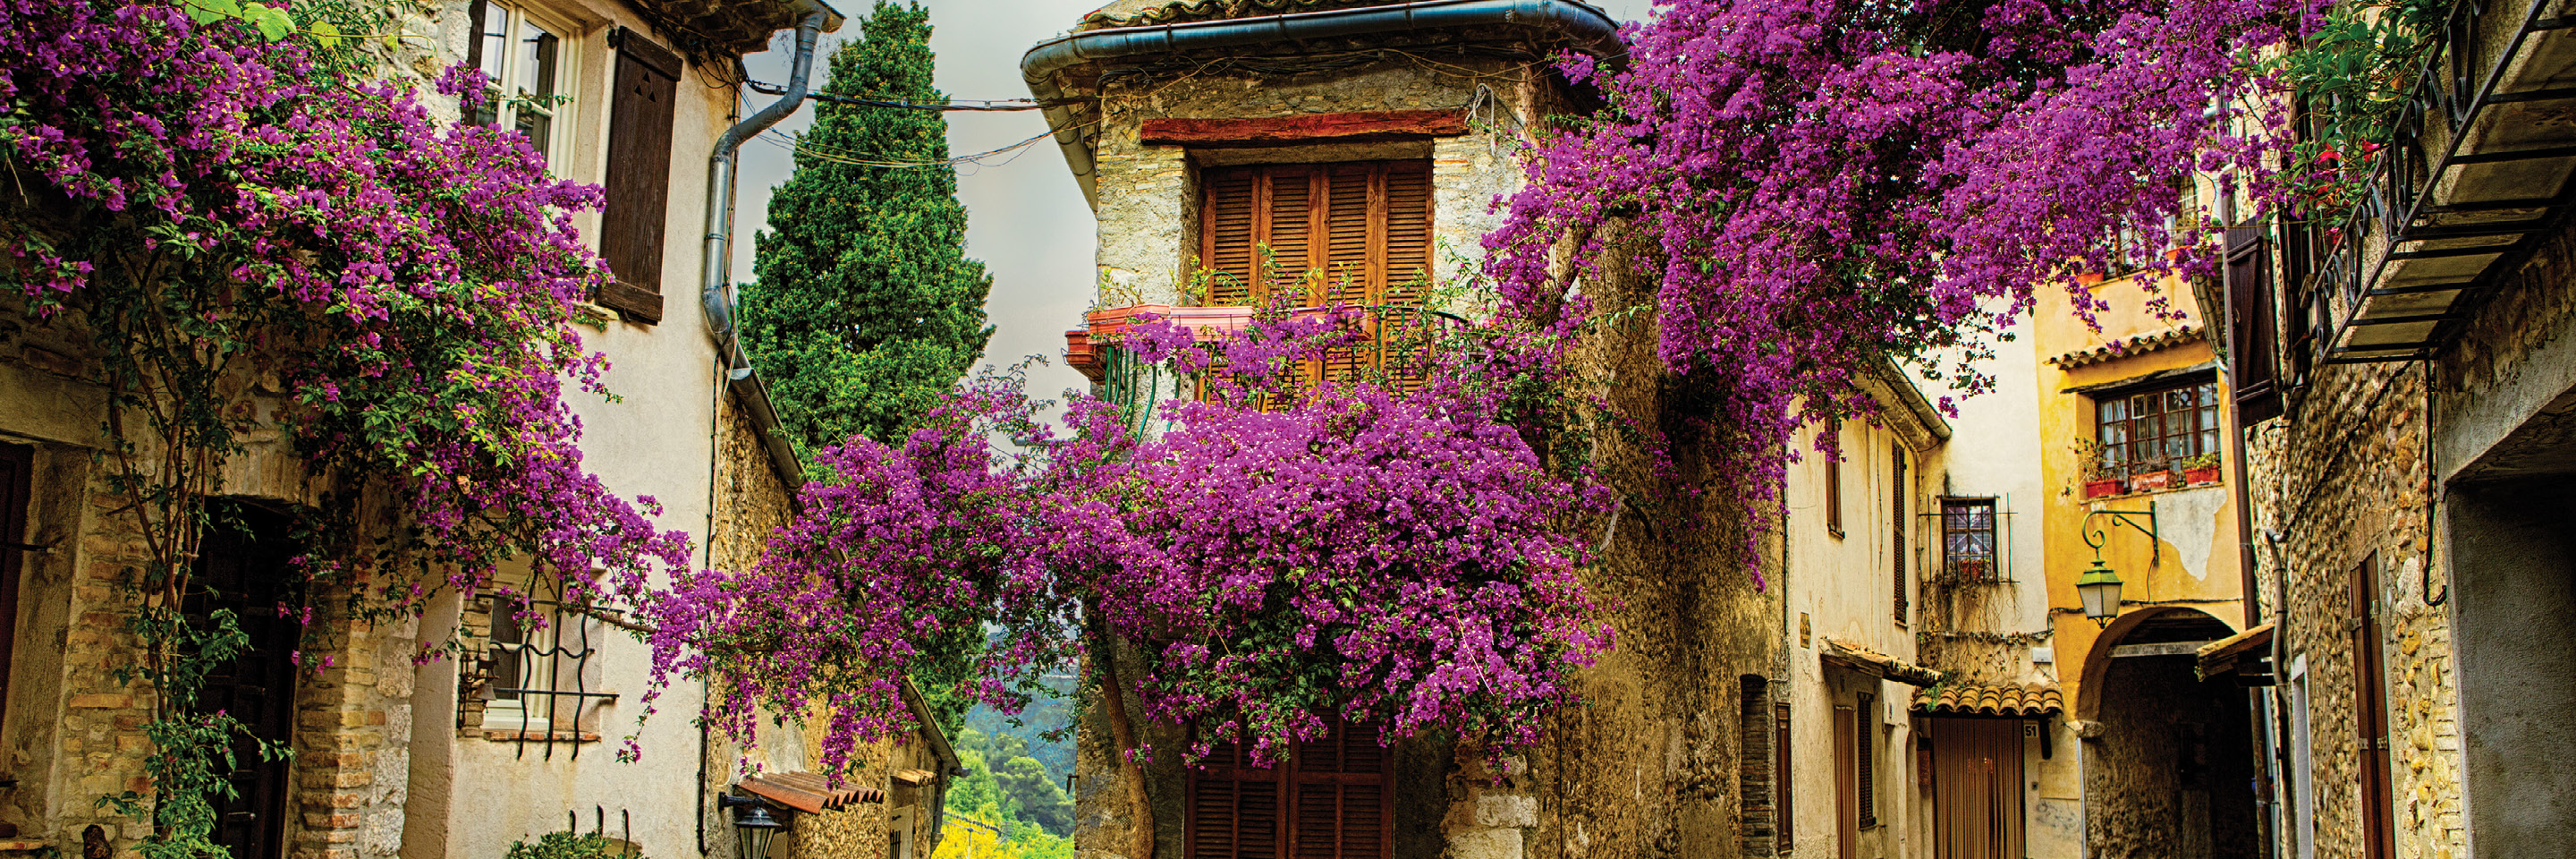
1976, 789
2370, 708
242, 568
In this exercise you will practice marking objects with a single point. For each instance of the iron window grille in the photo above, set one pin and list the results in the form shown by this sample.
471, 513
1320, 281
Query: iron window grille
1988, 526
532, 683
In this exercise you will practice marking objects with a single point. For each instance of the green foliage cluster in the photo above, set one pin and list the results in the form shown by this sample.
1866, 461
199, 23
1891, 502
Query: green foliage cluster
2353, 74
1004, 784
566, 845
866, 307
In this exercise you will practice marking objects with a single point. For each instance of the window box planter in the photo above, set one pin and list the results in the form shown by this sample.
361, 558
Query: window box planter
2103, 487
2198, 476
2151, 481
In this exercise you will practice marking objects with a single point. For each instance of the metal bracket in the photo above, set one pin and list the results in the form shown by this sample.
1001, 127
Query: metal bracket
2096, 535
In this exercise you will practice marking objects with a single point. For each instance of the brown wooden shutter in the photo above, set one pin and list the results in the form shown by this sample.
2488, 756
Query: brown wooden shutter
1363, 228
1896, 535
17, 489
1785, 814
1226, 225
1232, 808
1846, 785
2252, 367
1834, 494
1408, 233
1345, 809
640, 116
2370, 712
1865, 760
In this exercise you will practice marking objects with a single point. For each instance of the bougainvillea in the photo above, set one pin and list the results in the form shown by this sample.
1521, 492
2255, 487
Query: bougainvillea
259, 238
1386, 553
1825, 182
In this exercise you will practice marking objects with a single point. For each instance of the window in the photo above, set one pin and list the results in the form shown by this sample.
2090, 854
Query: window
1896, 533
632, 223
2157, 429
524, 60
1968, 540
1363, 228
1834, 492
533, 684
1333, 799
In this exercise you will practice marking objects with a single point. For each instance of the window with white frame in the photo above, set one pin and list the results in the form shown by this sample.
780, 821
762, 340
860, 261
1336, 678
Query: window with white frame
529, 65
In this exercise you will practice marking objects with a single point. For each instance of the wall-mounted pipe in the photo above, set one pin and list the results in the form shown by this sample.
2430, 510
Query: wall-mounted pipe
1592, 31
715, 287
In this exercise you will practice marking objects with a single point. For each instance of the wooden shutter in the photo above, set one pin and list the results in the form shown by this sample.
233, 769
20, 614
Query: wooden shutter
1232, 808
2370, 712
640, 116
1334, 800
1344, 806
17, 489
1896, 534
1834, 494
1357, 232
2252, 366
1865, 759
1786, 814
1846, 786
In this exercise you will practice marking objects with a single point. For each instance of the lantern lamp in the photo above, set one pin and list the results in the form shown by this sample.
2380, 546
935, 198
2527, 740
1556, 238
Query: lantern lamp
753, 825
2099, 588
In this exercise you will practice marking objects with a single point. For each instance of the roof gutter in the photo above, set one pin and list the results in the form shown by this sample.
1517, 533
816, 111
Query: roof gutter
1593, 32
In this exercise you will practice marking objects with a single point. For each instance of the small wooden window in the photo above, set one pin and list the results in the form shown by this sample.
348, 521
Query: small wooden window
1834, 493
1865, 759
2158, 428
1334, 799
640, 116
1968, 540
1357, 233
524, 60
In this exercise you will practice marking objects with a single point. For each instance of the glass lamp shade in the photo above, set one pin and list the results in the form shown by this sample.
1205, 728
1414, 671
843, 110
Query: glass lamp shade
2100, 591
755, 827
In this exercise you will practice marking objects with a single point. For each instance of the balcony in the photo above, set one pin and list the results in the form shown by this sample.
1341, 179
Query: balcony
2475, 177
1395, 336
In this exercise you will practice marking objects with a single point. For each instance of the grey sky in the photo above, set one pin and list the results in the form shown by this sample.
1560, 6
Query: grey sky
1025, 217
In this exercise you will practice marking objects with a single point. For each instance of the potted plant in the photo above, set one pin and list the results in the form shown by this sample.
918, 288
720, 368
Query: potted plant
2099, 480
2201, 469
2151, 481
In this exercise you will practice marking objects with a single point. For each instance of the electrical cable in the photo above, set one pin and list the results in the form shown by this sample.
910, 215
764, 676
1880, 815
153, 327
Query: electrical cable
1005, 104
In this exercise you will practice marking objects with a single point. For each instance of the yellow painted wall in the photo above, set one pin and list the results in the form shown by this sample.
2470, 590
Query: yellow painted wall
2194, 563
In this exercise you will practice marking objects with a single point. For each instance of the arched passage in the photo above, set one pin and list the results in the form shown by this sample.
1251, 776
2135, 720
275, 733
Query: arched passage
2170, 773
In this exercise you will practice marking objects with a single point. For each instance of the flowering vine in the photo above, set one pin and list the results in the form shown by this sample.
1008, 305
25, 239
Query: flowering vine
257, 236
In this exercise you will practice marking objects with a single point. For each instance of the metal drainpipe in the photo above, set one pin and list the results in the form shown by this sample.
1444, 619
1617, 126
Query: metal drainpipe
716, 299
1592, 30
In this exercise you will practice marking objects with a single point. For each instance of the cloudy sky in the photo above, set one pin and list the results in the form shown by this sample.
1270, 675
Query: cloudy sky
1025, 216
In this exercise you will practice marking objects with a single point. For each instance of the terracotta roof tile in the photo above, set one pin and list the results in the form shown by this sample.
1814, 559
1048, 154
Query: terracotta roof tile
808, 792
2121, 348
1871, 661
1990, 699
1209, 10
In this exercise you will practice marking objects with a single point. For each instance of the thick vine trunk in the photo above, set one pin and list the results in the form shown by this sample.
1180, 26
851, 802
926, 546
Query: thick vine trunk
1122, 734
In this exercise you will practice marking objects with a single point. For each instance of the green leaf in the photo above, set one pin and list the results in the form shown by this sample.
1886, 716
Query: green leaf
326, 34
210, 11
272, 22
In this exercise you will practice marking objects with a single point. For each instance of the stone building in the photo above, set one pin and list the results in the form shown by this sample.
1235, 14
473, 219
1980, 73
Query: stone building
2405, 380
1201, 129
516, 737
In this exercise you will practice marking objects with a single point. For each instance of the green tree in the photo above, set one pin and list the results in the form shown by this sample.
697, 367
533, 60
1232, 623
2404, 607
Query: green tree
865, 306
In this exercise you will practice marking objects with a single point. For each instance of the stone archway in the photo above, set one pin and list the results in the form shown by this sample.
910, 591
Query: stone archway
2170, 774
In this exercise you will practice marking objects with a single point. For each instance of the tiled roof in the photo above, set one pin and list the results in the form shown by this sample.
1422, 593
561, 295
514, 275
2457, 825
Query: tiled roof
2124, 347
1990, 699
1209, 10
808, 792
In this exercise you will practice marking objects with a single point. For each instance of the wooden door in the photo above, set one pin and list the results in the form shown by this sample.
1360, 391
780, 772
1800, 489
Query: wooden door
17, 484
2370, 714
1846, 783
1977, 789
243, 568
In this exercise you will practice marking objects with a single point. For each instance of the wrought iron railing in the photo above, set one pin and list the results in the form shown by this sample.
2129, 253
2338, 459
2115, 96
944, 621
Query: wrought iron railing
1398, 339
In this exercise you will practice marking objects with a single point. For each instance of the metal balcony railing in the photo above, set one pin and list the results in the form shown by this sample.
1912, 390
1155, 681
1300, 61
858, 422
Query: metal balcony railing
2475, 176
1394, 336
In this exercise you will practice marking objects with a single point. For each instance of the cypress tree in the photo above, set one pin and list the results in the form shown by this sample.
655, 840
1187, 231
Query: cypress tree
865, 306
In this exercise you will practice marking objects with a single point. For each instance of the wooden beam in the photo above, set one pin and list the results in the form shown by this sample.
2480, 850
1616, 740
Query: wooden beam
2167, 648
1306, 128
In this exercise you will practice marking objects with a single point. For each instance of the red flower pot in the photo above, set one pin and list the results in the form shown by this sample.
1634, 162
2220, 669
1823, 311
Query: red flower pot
2104, 487
2197, 476
2151, 481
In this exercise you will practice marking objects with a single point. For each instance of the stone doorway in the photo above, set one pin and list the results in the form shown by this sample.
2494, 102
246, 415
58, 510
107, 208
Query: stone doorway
2170, 775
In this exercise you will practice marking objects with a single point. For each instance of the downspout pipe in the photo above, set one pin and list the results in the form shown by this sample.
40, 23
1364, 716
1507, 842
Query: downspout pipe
716, 287
1591, 30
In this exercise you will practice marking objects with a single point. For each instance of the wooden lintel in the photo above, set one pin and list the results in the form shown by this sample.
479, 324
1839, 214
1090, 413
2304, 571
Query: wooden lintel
1361, 126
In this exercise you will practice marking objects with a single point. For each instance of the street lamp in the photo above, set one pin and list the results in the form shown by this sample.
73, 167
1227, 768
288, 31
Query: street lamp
2100, 590
751, 824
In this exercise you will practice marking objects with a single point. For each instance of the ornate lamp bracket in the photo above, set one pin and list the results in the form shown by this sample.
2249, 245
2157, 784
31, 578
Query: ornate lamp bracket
2143, 521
